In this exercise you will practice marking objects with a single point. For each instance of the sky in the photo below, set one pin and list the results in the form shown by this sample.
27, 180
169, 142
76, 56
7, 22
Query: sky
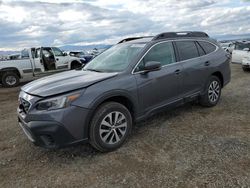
92, 22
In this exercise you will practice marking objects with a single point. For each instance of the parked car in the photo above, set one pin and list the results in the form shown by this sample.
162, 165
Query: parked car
240, 51
127, 83
84, 56
33, 63
226, 46
246, 60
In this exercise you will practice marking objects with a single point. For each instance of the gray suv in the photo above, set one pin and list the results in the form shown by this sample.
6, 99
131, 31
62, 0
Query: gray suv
125, 84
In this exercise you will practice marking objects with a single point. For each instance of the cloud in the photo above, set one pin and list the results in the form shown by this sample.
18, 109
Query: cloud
33, 23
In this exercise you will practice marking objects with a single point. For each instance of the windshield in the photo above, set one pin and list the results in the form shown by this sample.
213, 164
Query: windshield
115, 59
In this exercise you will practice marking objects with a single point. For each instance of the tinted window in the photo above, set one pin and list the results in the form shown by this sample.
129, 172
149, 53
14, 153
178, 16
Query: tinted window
163, 53
187, 50
208, 47
200, 50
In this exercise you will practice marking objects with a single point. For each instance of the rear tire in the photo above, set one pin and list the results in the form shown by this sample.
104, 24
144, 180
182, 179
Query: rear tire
212, 92
110, 126
10, 79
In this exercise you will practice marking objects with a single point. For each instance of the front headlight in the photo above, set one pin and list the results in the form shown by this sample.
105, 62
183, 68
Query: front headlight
57, 102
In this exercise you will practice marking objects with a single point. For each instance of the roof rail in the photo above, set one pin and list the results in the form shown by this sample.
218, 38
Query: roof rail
180, 34
132, 38
129, 39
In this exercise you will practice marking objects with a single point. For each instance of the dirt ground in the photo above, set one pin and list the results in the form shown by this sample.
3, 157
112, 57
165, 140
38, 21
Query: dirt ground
190, 146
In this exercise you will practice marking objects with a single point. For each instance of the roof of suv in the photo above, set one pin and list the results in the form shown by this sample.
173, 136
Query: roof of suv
166, 35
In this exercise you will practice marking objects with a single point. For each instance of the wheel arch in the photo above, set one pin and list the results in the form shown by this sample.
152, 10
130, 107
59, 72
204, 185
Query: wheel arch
120, 97
10, 69
219, 75
75, 62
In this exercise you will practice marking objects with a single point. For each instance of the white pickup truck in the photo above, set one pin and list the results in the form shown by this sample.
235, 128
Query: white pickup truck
34, 63
241, 54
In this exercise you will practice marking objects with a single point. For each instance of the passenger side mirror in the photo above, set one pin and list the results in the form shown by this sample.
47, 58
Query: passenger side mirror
65, 54
246, 49
152, 66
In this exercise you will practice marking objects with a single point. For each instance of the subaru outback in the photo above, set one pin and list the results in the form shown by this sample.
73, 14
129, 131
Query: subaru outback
129, 82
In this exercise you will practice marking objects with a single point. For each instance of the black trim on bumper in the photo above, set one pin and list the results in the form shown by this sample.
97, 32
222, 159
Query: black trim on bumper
48, 134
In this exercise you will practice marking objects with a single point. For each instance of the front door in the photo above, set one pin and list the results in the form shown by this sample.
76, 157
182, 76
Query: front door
62, 61
159, 88
37, 61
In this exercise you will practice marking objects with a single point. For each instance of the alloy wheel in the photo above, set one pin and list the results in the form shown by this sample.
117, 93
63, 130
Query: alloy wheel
113, 127
214, 91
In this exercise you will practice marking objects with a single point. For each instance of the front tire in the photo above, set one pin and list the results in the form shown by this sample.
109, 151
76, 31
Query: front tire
110, 126
245, 69
212, 92
10, 79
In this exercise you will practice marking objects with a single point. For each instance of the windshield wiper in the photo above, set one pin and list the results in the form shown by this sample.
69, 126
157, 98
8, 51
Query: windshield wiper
94, 70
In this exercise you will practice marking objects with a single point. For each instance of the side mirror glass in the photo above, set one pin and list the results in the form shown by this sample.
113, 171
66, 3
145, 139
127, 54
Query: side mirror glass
152, 66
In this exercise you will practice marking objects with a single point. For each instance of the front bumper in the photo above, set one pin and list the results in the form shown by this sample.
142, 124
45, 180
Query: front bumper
48, 134
57, 128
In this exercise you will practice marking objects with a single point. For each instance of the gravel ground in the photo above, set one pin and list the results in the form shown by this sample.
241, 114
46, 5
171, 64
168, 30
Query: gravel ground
190, 146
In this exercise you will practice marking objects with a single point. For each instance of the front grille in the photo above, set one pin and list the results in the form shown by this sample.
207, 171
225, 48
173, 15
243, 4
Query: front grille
24, 105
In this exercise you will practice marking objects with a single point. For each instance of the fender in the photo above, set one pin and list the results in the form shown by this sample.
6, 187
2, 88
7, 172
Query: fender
114, 93
11, 69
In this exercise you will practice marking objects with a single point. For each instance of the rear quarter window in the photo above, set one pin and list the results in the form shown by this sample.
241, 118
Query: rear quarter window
208, 47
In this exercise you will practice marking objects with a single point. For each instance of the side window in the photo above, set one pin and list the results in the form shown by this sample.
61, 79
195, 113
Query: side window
163, 53
208, 47
37, 53
57, 51
200, 50
187, 50
24, 54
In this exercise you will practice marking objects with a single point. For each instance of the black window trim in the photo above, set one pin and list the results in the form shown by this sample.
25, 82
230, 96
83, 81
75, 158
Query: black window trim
175, 51
198, 44
204, 49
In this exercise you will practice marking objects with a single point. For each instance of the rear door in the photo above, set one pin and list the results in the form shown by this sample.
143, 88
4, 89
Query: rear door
158, 88
195, 68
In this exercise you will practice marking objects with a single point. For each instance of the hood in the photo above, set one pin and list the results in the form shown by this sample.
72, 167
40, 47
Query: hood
64, 82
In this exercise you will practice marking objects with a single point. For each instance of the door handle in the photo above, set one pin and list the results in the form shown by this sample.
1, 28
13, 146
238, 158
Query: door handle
207, 63
178, 71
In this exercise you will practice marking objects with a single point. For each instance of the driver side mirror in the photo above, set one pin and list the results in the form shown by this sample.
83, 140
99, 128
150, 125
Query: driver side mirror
152, 66
246, 49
